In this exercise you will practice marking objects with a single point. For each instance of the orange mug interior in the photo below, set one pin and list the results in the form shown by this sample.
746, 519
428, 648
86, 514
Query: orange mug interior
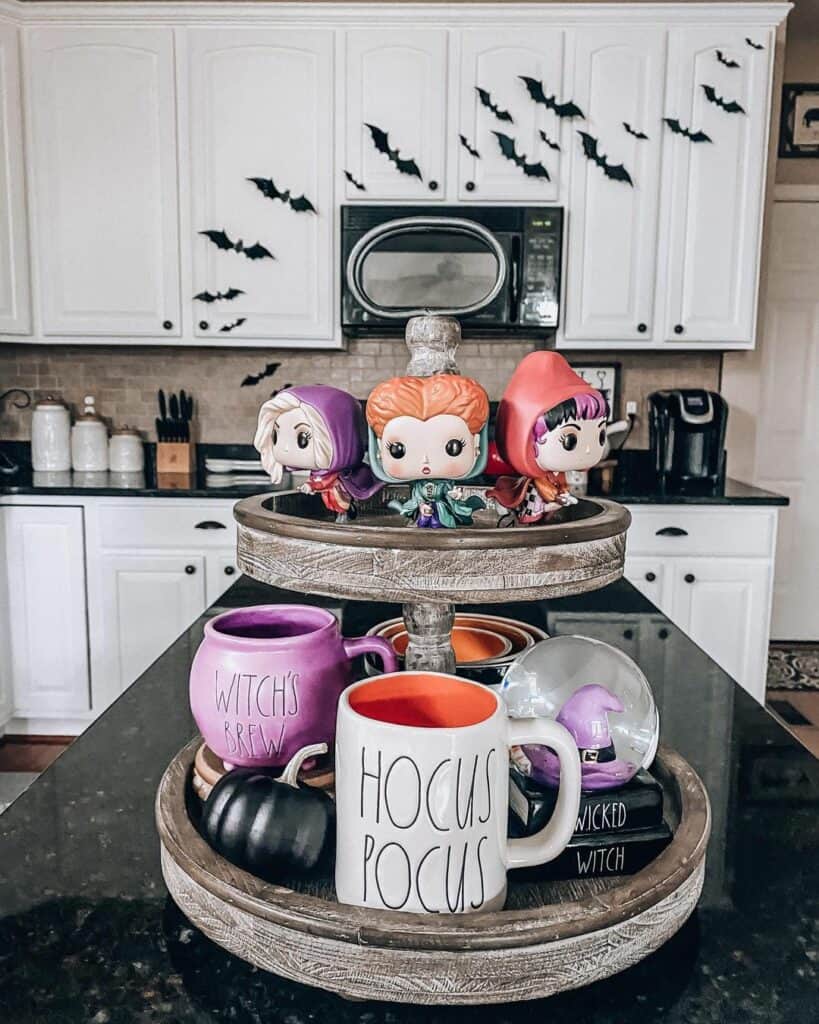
469, 643
423, 701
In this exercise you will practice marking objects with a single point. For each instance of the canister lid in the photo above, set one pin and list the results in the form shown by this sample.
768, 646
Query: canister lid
51, 402
125, 431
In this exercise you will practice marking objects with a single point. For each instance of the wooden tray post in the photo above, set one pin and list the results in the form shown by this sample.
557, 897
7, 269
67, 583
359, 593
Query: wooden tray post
429, 628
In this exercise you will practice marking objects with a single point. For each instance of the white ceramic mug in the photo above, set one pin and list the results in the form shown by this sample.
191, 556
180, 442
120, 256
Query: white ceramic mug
422, 794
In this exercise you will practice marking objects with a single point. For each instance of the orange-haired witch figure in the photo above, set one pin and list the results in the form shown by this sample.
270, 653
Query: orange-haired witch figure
432, 432
549, 421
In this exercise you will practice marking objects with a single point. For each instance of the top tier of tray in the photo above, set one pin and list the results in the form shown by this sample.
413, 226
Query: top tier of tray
291, 541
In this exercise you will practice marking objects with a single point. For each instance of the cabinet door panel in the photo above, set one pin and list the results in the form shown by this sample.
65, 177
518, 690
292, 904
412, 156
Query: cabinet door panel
713, 190
396, 80
612, 244
149, 601
261, 106
45, 562
494, 60
15, 309
222, 572
105, 186
651, 578
723, 605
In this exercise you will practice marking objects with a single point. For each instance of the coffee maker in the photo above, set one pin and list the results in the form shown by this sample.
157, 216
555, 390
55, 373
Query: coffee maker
687, 439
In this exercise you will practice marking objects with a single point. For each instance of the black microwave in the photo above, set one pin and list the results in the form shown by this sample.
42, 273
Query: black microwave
496, 268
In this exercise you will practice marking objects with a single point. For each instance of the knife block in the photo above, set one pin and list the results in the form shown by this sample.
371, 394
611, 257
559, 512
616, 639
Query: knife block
175, 457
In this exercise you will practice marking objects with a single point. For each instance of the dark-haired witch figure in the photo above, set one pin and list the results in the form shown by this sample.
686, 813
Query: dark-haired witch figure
549, 421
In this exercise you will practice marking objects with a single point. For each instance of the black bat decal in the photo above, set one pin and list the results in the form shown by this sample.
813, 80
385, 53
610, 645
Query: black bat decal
253, 252
727, 62
729, 106
633, 131
301, 204
677, 128
381, 141
486, 101
545, 138
535, 90
352, 181
470, 149
507, 147
753, 45
227, 328
253, 379
616, 172
227, 296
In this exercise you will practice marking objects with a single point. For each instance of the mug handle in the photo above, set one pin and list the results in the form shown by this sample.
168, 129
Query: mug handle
372, 645
553, 838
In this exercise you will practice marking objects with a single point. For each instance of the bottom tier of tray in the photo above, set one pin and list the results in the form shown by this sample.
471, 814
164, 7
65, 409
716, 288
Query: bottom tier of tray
550, 937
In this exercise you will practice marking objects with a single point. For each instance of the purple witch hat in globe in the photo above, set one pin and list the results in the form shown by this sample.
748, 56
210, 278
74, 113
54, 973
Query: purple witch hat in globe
585, 715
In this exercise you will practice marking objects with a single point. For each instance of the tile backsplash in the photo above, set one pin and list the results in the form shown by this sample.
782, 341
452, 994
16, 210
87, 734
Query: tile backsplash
124, 381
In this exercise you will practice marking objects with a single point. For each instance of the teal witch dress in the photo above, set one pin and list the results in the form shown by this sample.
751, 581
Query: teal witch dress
446, 510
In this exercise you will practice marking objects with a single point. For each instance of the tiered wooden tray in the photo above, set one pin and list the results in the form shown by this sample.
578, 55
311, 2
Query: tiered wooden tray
552, 936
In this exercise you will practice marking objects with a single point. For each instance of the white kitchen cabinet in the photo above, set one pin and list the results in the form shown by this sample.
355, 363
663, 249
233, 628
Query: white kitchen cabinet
395, 79
261, 105
617, 80
149, 600
6, 670
221, 573
104, 174
495, 60
650, 576
15, 302
46, 610
713, 191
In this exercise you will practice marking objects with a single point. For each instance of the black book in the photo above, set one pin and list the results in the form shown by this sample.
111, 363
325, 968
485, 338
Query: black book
637, 805
599, 856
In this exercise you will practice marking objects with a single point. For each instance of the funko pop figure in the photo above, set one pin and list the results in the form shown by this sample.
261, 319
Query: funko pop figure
322, 429
549, 421
430, 432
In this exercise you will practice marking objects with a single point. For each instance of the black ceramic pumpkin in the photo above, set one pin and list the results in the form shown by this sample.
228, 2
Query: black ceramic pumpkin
271, 827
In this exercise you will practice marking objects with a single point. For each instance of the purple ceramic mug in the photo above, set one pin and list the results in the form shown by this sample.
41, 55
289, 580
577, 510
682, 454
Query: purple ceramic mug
266, 680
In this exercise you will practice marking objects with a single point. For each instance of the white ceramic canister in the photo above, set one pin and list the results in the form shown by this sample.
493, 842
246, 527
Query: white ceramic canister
51, 436
125, 451
89, 441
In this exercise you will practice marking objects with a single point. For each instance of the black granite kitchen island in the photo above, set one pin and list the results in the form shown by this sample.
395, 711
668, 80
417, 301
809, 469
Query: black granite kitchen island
88, 933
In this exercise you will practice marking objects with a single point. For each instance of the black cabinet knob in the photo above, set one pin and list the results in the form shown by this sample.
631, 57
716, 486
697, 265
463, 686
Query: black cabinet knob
663, 634
190, 569
678, 328
168, 325
229, 570
203, 325
628, 634
689, 577
651, 576
470, 186
433, 186
642, 328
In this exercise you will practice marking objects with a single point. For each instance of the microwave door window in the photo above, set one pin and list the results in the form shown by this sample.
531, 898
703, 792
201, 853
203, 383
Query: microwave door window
428, 272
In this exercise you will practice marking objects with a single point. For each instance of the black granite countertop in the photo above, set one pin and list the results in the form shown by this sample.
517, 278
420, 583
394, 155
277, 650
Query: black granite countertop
633, 485
88, 933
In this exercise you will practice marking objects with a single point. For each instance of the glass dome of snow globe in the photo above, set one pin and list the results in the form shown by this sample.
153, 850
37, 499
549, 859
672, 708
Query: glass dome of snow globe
599, 694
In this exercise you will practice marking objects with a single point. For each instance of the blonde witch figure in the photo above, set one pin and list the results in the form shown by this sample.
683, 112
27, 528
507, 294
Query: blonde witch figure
321, 429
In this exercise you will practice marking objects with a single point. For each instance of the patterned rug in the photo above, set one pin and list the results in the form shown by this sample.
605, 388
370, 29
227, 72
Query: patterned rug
793, 666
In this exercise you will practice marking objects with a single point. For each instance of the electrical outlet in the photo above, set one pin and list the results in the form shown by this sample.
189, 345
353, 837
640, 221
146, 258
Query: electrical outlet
631, 408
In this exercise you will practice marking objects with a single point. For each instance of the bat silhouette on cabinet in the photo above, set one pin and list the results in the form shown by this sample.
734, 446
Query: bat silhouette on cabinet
470, 149
381, 141
633, 131
535, 90
616, 172
549, 142
227, 296
531, 170
227, 328
253, 379
356, 184
753, 45
301, 204
223, 241
726, 61
678, 129
487, 101
729, 106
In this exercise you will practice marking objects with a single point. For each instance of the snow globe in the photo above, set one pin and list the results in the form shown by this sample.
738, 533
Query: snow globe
599, 694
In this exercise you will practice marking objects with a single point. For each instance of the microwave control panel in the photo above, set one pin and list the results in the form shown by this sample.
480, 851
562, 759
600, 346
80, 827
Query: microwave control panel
539, 288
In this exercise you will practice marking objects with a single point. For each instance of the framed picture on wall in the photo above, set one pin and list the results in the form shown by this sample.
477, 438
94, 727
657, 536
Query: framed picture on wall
602, 376
799, 123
